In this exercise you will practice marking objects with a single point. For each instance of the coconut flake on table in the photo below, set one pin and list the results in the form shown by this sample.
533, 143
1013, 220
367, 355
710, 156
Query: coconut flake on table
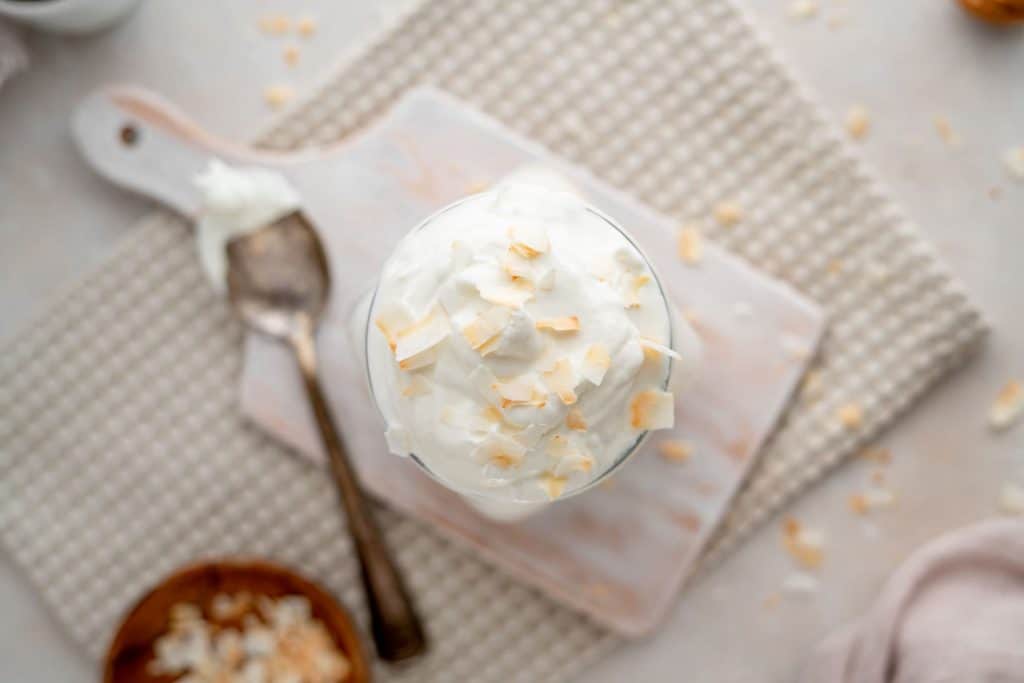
1007, 407
1014, 160
803, 9
801, 584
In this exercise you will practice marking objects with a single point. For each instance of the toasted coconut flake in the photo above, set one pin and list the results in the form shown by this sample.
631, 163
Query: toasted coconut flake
596, 362
633, 287
877, 455
539, 399
486, 327
420, 360
675, 450
517, 390
500, 450
851, 415
690, 245
652, 410
477, 186
874, 498
858, 122
728, 214
516, 266
275, 24
858, 504
279, 639
1014, 160
492, 414
803, 9
1007, 407
654, 350
183, 615
803, 545
569, 323
529, 241
801, 584
524, 251
574, 462
227, 607
879, 497
490, 347
574, 420
291, 55
422, 335
418, 386
553, 485
945, 131
1011, 499
560, 446
628, 258
466, 421
278, 95
513, 295
603, 269
306, 26
562, 381
771, 601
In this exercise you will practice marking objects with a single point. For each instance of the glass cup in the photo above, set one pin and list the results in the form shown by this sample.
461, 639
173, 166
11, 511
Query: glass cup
501, 507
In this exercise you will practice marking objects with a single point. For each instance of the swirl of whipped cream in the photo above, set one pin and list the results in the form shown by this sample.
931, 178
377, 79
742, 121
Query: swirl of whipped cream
519, 345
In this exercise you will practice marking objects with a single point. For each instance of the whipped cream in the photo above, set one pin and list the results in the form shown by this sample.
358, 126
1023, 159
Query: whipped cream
236, 200
519, 345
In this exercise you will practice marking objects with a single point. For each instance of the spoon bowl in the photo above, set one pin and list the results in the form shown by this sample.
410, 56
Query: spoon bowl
278, 279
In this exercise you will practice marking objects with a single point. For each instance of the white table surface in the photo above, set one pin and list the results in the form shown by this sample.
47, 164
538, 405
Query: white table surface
906, 61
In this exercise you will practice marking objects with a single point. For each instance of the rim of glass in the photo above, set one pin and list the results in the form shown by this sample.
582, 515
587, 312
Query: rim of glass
630, 450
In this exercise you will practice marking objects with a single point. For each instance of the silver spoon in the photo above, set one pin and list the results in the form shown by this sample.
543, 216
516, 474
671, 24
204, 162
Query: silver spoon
278, 282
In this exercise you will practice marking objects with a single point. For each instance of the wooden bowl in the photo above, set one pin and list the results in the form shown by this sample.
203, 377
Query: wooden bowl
132, 647
996, 11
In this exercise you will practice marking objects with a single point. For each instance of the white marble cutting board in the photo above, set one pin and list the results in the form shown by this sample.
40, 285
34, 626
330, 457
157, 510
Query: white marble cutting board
619, 552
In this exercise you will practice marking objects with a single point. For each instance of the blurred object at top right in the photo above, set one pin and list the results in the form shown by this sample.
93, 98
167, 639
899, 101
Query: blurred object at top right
996, 11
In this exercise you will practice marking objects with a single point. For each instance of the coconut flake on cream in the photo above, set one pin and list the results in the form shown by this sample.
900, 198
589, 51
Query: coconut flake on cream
542, 334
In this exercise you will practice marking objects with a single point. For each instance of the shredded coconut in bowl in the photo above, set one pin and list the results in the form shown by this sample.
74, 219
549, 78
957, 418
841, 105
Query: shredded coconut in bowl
247, 639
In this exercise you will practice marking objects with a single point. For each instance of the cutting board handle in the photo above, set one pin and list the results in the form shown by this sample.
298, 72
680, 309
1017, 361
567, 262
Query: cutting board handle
143, 143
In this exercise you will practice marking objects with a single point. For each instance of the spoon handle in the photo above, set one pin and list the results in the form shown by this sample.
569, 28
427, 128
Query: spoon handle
397, 631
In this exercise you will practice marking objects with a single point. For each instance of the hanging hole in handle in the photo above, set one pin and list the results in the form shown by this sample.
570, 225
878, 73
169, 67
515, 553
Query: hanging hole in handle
129, 135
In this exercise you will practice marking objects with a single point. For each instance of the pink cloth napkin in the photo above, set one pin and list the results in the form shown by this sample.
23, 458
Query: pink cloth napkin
954, 612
